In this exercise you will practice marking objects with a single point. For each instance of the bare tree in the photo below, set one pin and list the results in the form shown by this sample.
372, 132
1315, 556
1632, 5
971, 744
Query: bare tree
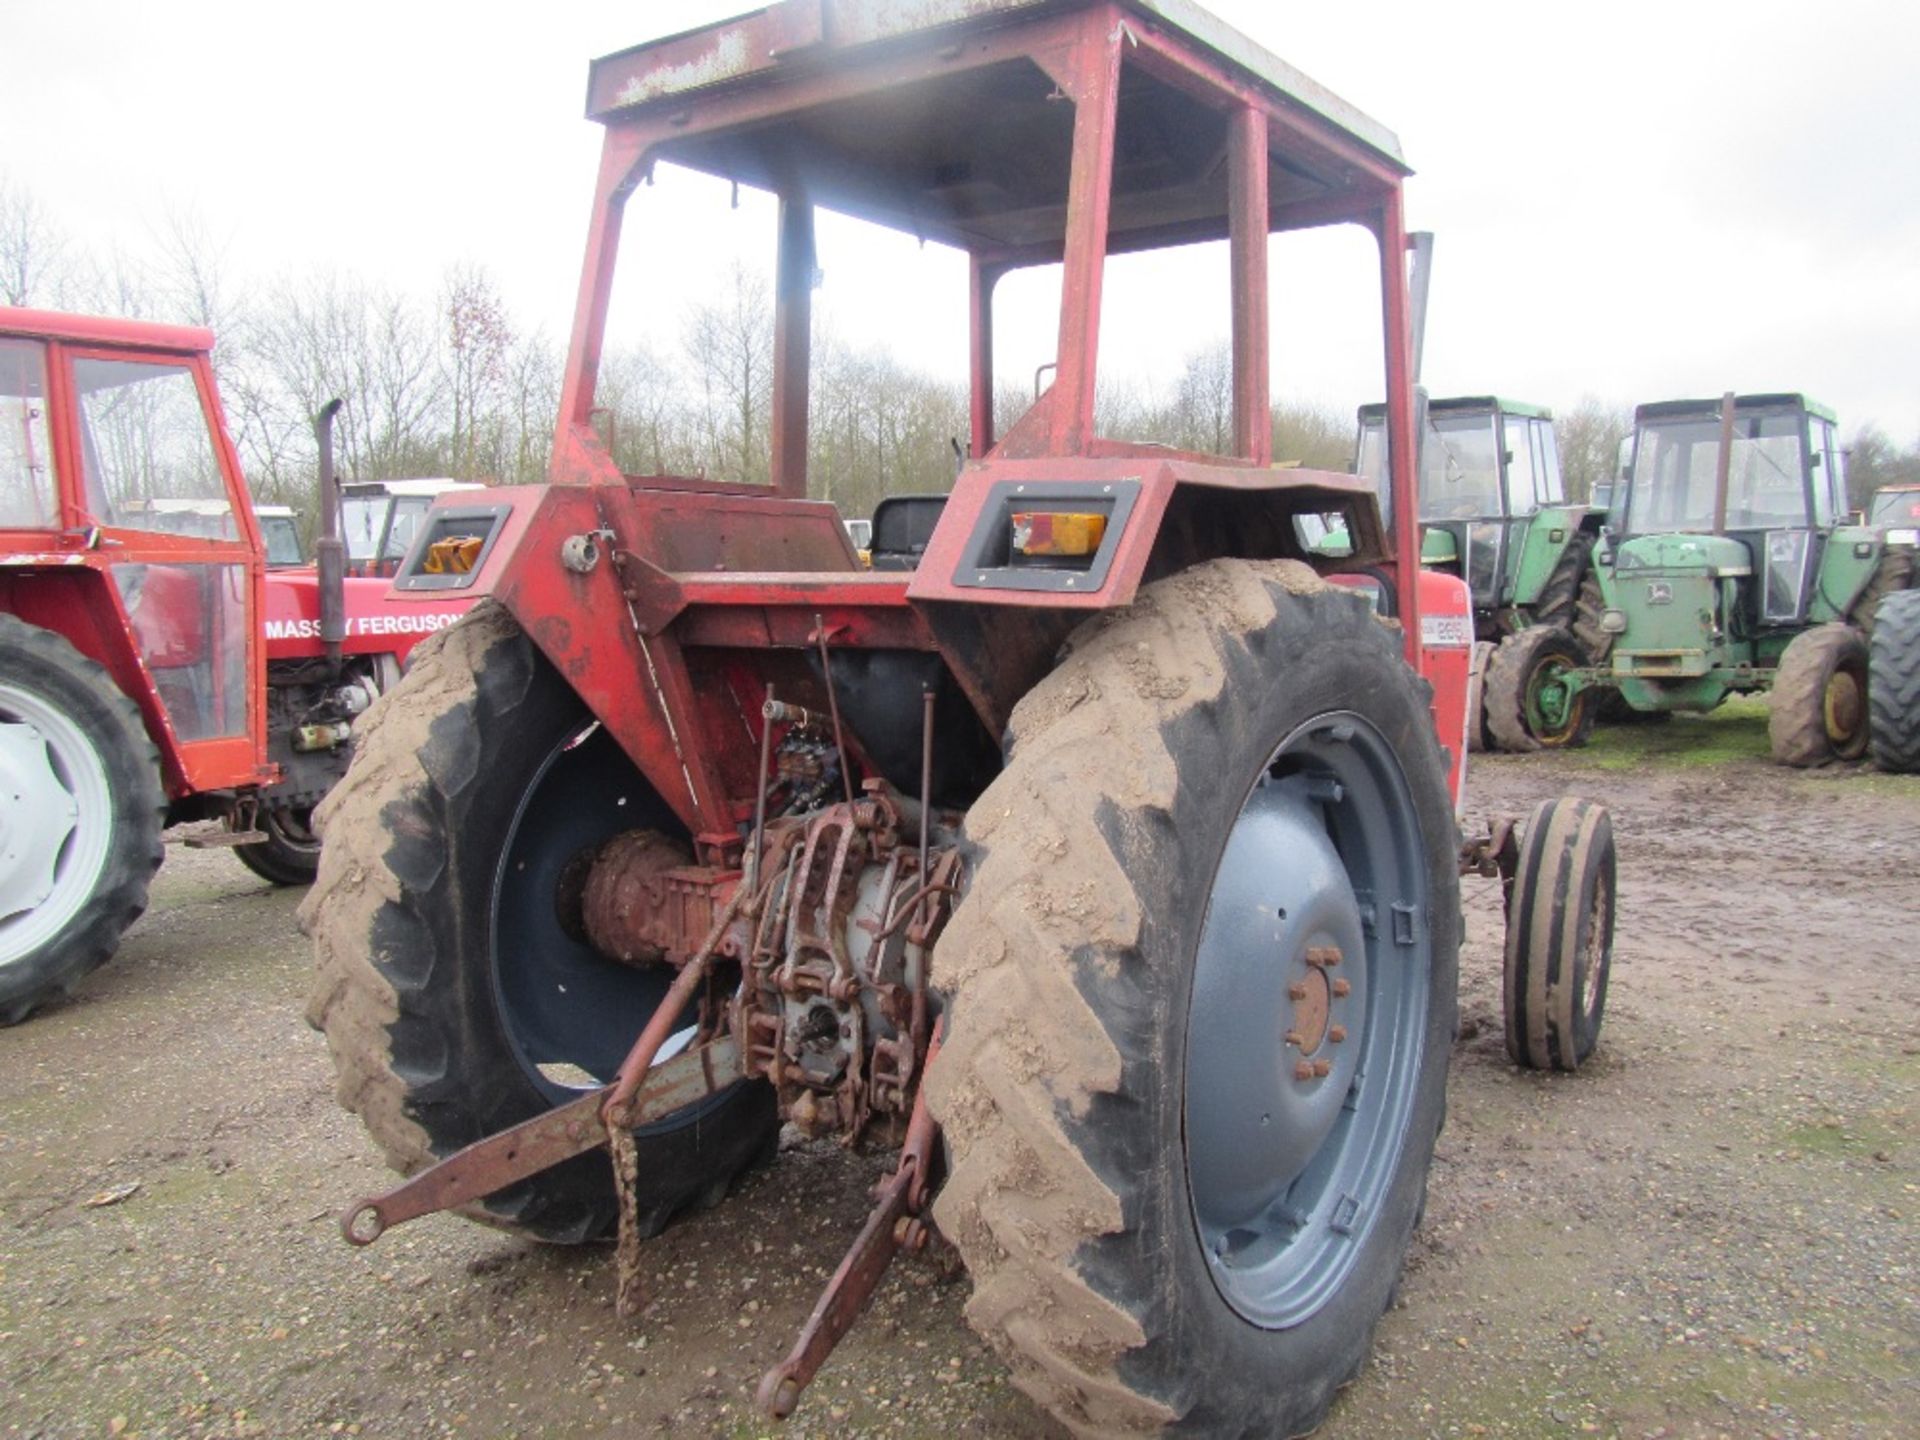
478, 345
1874, 460
1313, 436
1202, 417
33, 252
730, 344
1589, 437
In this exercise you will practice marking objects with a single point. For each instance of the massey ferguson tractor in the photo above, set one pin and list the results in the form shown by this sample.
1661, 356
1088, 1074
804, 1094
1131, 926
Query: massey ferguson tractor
1105, 861
153, 668
1729, 565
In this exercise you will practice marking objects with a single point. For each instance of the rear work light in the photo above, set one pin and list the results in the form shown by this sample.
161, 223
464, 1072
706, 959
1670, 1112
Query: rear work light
1067, 534
452, 547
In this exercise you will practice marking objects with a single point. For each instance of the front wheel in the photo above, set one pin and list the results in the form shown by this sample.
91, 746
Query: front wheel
80, 807
1559, 948
290, 855
1201, 995
1533, 702
1818, 710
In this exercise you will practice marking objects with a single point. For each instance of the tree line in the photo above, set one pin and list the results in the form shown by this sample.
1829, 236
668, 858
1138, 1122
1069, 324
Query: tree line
449, 383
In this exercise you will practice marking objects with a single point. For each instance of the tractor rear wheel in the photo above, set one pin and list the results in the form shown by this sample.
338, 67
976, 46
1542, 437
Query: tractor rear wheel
1560, 935
1893, 684
1588, 633
1200, 998
1559, 599
80, 808
1530, 706
290, 855
454, 1001
1818, 711
1892, 576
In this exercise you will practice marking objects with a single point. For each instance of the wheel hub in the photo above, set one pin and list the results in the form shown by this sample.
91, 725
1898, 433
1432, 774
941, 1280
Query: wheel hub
37, 814
1257, 1112
1312, 938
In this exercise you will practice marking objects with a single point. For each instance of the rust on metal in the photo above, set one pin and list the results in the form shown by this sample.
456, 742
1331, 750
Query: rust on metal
643, 896
897, 1222
1310, 1013
488, 1165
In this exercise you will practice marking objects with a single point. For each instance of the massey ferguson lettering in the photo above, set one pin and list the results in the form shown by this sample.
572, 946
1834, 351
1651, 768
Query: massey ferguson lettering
424, 623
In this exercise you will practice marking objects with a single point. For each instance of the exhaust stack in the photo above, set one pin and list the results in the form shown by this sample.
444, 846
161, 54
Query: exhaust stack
329, 553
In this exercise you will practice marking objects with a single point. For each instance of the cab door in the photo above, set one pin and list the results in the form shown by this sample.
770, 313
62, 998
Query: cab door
159, 487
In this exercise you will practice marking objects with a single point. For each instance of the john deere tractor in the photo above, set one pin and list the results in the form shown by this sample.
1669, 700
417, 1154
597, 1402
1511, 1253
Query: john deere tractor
1494, 512
1727, 566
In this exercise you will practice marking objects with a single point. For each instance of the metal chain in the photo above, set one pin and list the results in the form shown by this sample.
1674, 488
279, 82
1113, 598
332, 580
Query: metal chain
625, 1155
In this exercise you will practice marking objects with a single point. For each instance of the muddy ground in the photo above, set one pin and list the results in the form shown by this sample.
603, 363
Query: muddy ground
1713, 1230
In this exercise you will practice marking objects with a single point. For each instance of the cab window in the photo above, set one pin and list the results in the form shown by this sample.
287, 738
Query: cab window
1521, 499
27, 498
147, 452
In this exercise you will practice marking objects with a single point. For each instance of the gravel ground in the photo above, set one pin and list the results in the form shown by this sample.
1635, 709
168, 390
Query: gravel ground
1709, 1231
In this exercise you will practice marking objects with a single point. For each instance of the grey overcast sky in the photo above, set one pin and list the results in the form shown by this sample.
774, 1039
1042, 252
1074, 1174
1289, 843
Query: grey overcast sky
1632, 200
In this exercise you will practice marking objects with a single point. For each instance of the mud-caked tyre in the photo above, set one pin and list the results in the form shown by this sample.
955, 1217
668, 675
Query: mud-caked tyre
1200, 997
1528, 707
80, 816
1479, 741
455, 1001
1818, 710
290, 855
1893, 684
1587, 625
1559, 947
1559, 600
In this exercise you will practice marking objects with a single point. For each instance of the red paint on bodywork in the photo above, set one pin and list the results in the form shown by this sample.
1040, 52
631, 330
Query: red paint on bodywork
380, 620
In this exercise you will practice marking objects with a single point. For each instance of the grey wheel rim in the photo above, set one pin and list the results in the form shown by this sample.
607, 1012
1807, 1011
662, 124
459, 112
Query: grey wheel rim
1307, 1021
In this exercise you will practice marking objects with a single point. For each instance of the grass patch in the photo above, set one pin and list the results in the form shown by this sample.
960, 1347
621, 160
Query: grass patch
1735, 731
1854, 1139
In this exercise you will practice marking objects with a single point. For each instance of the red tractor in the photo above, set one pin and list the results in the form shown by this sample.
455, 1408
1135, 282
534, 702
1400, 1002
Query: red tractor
1105, 861
153, 668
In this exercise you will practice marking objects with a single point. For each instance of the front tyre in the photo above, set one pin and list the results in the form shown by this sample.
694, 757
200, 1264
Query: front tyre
1201, 995
1559, 948
1818, 710
290, 855
1533, 701
454, 1001
80, 807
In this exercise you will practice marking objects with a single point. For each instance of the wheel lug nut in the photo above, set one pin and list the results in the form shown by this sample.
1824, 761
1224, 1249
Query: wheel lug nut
1296, 991
1341, 989
1293, 1037
1303, 1071
1337, 1034
1321, 1067
1323, 956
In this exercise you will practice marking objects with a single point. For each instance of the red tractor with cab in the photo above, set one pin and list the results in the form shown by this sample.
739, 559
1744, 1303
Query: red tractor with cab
157, 663
1103, 856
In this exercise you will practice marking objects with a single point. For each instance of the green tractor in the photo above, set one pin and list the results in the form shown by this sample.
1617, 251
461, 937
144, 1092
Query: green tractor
1728, 565
1494, 512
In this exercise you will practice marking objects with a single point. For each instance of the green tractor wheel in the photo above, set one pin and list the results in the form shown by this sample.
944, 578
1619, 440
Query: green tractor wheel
1531, 703
1819, 707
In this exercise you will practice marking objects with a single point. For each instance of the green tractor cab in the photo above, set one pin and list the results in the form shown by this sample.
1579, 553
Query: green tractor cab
1728, 566
1494, 512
